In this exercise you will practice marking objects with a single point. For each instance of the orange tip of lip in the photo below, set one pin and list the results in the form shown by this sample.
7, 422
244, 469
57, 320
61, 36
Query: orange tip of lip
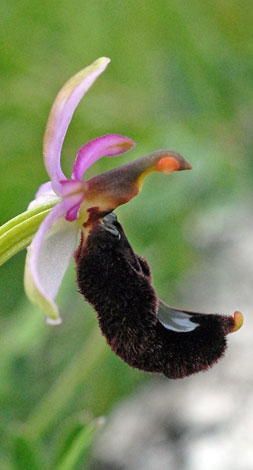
238, 319
167, 165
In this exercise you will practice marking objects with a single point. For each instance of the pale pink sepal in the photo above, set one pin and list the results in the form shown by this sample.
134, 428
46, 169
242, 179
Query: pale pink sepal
48, 258
60, 117
105, 146
45, 188
45, 195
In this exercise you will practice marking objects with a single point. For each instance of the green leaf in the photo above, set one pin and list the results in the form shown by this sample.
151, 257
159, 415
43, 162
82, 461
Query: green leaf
65, 436
26, 454
78, 443
65, 386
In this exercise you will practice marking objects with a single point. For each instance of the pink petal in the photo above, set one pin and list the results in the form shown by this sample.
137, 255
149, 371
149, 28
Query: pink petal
48, 258
105, 146
70, 187
72, 213
73, 192
61, 114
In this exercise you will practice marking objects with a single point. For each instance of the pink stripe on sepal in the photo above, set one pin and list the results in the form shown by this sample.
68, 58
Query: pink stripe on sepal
60, 116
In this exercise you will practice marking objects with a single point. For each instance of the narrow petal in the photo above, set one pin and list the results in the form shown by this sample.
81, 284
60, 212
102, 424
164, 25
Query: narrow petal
72, 213
73, 193
105, 146
48, 258
61, 114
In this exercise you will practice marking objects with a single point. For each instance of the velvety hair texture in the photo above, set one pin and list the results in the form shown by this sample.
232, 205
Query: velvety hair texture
118, 284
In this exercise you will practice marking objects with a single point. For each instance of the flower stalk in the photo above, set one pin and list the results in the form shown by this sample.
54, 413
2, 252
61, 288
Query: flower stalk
17, 233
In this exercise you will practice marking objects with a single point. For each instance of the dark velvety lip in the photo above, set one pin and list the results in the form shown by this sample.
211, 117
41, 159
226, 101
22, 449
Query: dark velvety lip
142, 330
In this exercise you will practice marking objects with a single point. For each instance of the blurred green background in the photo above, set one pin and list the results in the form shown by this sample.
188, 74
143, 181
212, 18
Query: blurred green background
180, 78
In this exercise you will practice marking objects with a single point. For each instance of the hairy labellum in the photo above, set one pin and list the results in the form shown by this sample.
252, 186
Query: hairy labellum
141, 329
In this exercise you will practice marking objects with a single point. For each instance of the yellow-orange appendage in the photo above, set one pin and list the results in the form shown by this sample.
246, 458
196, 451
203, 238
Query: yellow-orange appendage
238, 318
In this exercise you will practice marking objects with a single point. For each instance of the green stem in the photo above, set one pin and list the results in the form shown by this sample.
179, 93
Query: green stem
63, 389
18, 232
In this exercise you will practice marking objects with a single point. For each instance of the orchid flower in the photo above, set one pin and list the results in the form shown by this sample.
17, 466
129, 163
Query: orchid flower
143, 330
70, 206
